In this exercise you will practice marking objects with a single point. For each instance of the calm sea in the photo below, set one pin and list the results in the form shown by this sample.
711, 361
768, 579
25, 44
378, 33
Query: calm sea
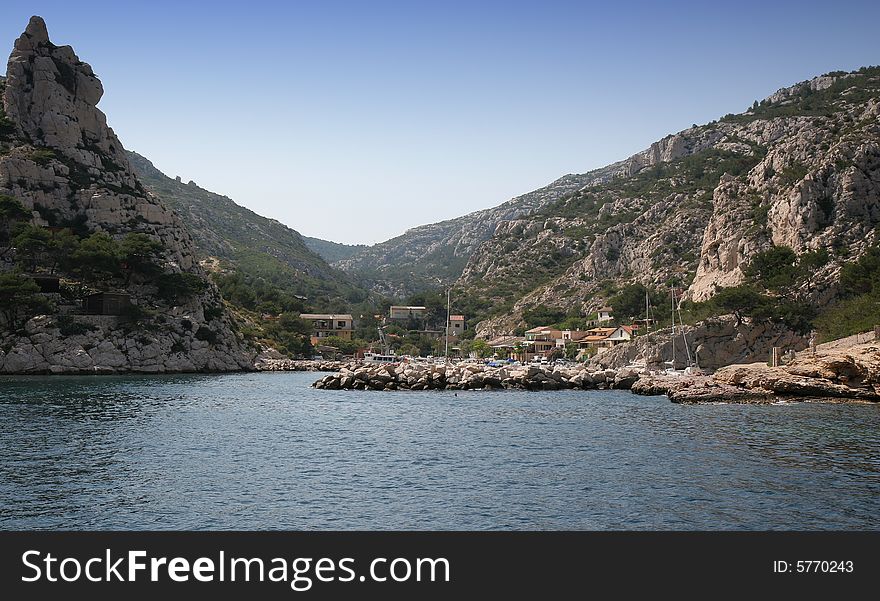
265, 451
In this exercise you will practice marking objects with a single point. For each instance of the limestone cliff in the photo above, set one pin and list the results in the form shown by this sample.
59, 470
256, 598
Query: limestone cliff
818, 187
711, 344
800, 169
60, 160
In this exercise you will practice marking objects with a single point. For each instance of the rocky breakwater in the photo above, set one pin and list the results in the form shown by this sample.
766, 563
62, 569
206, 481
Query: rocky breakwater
472, 376
278, 362
847, 374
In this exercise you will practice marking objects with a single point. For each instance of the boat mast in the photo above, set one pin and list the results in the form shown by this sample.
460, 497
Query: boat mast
446, 353
687, 348
672, 363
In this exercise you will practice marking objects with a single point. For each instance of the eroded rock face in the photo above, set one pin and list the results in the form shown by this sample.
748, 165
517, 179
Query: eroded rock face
817, 188
848, 373
109, 346
68, 163
67, 166
712, 344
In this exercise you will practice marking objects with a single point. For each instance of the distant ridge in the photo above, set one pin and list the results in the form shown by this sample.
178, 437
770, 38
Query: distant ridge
254, 244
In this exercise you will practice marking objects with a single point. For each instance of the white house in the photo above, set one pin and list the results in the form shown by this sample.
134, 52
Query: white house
621, 334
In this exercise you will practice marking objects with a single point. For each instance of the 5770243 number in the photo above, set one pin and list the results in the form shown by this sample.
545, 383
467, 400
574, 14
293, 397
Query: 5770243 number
813, 566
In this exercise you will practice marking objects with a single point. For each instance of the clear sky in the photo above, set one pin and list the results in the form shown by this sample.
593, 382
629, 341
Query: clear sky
353, 121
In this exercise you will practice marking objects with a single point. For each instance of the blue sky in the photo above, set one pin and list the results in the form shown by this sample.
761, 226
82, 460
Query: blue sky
353, 121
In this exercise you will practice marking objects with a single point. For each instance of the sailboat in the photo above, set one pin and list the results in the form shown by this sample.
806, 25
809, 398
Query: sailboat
671, 370
641, 363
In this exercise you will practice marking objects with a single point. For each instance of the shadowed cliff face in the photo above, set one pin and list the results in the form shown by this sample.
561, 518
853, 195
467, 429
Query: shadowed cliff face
63, 163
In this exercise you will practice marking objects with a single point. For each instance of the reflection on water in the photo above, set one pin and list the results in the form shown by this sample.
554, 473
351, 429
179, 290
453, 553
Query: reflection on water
266, 451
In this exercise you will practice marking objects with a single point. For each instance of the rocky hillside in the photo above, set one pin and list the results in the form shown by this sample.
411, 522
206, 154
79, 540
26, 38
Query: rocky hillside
246, 242
66, 184
416, 259
332, 251
800, 169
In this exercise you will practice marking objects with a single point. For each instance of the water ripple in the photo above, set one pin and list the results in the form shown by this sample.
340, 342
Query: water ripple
258, 451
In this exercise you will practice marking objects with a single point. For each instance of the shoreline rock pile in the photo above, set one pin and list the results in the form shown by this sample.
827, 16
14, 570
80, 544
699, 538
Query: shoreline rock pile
473, 376
849, 373
286, 364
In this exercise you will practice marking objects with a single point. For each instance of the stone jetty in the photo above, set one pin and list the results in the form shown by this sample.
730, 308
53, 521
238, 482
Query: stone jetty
316, 365
473, 376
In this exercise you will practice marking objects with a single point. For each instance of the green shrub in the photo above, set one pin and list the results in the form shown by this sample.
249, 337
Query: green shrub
98, 257
774, 269
68, 326
793, 173
213, 312
179, 286
543, 316
20, 299
42, 156
849, 316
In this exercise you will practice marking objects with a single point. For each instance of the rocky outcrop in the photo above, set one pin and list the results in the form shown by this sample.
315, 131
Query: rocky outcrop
104, 345
66, 165
818, 187
473, 376
712, 344
850, 373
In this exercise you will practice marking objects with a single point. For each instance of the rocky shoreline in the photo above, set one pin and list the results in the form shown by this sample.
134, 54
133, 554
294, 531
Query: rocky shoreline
835, 372
838, 372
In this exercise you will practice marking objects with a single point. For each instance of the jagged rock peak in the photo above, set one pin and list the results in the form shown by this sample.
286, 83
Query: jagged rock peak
35, 33
52, 96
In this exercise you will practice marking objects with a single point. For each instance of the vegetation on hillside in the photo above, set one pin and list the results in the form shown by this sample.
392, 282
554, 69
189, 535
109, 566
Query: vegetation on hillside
87, 262
332, 251
860, 86
263, 252
777, 286
858, 306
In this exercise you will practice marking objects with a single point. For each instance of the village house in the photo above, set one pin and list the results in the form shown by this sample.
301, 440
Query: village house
570, 336
325, 325
622, 334
604, 338
456, 325
542, 340
406, 312
514, 347
605, 314
597, 338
